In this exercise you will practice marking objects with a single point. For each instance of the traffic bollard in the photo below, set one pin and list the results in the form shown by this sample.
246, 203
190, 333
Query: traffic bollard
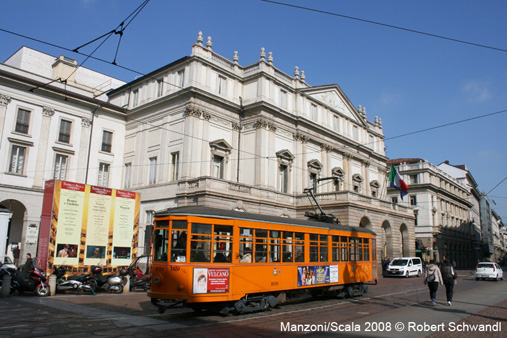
52, 285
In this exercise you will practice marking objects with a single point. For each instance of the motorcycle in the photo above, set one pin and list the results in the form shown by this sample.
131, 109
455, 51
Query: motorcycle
140, 280
34, 280
108, 283
73, 283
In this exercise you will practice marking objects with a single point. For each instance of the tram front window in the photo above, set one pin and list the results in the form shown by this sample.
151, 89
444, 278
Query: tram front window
179, 241
161, 244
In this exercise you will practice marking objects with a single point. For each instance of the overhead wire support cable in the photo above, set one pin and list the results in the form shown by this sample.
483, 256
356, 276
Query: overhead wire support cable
387, 25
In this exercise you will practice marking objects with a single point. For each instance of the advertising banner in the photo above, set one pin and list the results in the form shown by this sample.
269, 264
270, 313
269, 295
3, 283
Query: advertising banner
314, 275
210, 280
83, 225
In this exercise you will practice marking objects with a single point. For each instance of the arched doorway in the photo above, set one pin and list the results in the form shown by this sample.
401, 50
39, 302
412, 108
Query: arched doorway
386, 240
405, 247
15, 229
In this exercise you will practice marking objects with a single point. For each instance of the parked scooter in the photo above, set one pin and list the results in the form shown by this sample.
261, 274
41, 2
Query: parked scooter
34, 280
73, 283
108, 283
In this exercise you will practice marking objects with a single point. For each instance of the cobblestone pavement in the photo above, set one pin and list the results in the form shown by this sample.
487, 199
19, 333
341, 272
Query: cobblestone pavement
132, 315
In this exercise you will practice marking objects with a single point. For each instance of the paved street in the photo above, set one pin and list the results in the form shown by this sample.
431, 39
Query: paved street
396, 307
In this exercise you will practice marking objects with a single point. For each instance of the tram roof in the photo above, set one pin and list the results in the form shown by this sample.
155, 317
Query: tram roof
223, 213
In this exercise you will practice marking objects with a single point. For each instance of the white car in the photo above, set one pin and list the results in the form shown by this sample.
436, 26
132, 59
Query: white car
488, 270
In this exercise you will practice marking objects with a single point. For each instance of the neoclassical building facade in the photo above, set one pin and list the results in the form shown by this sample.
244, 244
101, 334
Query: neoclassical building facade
205, 130
442, 206
55, 123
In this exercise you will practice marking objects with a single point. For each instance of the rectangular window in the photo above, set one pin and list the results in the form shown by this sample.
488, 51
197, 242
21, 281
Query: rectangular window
175, 163
179, 241
200, 246
414, 179
313, 112
60, 167
181, 78
245, 245
64, 134
283, 99
355, 133
22, 121
107, 141
222, 243
17, 161
103, 179
344, 253
135, 97
128, 173
222, 83
413, 200
160, 245
335, 248
336, 123
153, 170
261, 246
299, 246
160, 87
313, 181
284, 178
218, 166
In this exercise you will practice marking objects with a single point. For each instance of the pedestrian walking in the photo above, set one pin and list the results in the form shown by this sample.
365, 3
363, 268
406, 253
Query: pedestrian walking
433, 278
449, 276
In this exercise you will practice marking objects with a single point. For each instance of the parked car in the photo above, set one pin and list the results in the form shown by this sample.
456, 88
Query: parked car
405, 267
487, 270
8, 263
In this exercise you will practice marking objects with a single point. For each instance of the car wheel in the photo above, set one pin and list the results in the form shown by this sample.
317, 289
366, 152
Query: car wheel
477, 278
419, 273
408, 274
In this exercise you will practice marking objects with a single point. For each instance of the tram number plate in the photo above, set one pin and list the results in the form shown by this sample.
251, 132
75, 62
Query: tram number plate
174, 268
274, 283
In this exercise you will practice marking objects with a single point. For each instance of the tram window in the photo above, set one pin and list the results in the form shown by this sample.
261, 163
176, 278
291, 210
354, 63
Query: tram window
359, 242
275, 249
162, 224
314, 248
245, 252
299, 248
178, 246
224, 231
222, 245
323, 248
335, 249
245, 245
200, 247
352, 249
287, 248
222, 252
366, 242
374, 250
344, 249
261, 247
161, 244
178, 224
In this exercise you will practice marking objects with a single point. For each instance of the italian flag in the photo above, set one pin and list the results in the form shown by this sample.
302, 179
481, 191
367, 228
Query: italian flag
396, 182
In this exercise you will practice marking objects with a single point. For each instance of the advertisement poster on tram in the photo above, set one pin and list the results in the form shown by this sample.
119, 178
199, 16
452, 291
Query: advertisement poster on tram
83, 225
208, 280
314, 275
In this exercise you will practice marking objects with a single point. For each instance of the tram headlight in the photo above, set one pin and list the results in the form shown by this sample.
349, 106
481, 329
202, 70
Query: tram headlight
156, 279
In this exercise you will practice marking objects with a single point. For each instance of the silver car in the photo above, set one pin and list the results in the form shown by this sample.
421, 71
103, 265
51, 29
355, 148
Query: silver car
490, 270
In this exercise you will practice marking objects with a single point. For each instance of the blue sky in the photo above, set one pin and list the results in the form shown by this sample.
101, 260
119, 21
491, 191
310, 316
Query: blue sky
411, 81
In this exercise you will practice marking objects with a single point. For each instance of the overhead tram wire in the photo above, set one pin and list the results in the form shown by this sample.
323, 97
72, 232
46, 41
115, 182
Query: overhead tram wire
496, 185
387, 25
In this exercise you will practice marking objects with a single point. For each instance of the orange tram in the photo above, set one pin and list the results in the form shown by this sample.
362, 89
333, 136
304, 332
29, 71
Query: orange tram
236, 262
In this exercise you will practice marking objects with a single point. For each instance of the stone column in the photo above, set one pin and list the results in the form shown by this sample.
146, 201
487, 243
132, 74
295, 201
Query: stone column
42, 149
83, 152
4, 101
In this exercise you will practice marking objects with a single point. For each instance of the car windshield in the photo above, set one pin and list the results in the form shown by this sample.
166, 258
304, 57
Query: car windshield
399, 262
7, 260
485, 265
